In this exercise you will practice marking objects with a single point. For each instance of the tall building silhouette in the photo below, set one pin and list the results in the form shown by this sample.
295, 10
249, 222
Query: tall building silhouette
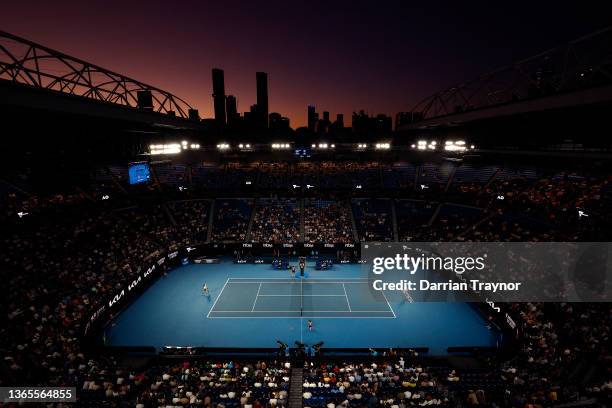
278, 122
312, 120
219, 95
323, 125
340, 121
262, 98
232, 109
251, 118
405, 118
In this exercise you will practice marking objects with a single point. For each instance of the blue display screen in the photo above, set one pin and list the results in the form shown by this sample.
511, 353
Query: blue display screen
302, 152
139, 173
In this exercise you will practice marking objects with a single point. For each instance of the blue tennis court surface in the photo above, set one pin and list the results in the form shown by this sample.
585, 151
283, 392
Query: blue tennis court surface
255, 305
312, 298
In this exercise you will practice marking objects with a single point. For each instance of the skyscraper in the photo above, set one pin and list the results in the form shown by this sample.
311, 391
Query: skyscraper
219, 95
232, 109
340, 121
323, 125
262, 98
312, 120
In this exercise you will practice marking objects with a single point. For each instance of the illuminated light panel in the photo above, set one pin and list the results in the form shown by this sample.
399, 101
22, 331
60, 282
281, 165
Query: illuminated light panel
172, 148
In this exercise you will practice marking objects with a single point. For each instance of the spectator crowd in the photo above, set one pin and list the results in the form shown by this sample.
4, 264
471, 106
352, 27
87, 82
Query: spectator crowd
63, 254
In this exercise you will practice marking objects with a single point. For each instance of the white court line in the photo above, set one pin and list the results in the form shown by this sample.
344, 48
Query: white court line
297, 280
302, 307
291, 282
285, 281
298, 295
298, 317
346, 296
247, 283
387, 300
388, 304
256, 296
213, 306
297, 311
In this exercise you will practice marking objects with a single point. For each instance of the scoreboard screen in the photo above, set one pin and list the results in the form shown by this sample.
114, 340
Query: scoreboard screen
139, 172
302, 152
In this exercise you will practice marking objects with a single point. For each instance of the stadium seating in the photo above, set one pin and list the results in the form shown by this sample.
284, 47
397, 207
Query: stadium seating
276, 220
374, 219
70, 251
231, 219
327, 221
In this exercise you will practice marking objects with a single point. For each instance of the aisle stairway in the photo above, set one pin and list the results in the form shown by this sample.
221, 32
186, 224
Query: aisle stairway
295, 388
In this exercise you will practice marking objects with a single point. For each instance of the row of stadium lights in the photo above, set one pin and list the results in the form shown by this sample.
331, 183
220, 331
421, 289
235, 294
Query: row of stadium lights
175, 148
449, 145
321, 146
172, 148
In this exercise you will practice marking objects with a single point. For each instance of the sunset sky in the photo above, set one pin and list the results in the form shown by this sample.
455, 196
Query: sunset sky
379, 56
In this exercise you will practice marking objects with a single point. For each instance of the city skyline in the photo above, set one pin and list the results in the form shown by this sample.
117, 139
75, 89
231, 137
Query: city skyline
341, 58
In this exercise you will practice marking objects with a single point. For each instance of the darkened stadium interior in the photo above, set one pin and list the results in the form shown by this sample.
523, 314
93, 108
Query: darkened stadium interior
147, 250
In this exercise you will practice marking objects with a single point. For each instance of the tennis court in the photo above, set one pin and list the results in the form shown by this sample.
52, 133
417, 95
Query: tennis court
253, 306
310, 298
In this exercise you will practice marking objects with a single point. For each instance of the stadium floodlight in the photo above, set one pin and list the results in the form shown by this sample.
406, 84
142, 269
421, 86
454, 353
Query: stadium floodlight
241, 146
472, 147
413, 145
454, 146
280, 146
382, 146
172, 148
223, 146
314, 146
323, 146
